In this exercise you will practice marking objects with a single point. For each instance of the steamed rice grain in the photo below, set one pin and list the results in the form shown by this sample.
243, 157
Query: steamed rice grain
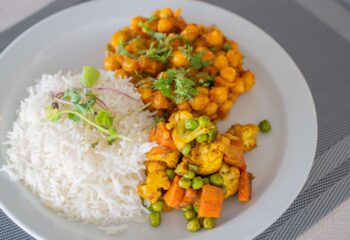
56, 160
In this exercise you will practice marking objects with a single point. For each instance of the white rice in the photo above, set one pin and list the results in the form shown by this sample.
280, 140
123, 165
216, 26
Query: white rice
58, 164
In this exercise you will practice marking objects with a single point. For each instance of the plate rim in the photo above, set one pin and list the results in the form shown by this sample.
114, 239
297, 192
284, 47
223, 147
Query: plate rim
313, 113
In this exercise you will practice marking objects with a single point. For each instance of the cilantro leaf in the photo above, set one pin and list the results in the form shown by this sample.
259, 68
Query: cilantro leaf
164, 84
157, 35
227, 46
204, 79
73, 117
122, 50
197, 62
89, 76
184, 89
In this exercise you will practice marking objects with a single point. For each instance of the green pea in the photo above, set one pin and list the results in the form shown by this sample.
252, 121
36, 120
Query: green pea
189, 174
208, 223
196, 208
184, 183
202, 138
158, 206
192, 167
204, 121
213, 132
154, 219
205, 180
191, 124
186, 150
170, 173
197, 183
188, 215
187, 208
265, 126
193, 225
216, 179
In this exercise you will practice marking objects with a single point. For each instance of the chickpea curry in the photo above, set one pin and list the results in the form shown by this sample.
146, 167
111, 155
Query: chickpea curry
190, 75
180, 66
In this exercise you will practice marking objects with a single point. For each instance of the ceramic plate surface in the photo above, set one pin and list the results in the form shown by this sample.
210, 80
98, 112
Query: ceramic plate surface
78, 36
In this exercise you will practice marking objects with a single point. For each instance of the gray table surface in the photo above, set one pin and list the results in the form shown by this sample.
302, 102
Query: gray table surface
316, 34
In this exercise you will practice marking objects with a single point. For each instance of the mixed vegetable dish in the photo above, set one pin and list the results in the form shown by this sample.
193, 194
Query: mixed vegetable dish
190, 75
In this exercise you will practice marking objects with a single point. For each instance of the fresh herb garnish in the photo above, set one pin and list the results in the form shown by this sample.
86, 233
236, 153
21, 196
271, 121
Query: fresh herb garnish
145, 27
85, 106
197, 61
184, 89
160, 54
227, 46
175, 85
122, 50
205, 79
89, 76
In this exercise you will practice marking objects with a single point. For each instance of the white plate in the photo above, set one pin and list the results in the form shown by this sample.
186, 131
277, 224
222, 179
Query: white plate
281, 163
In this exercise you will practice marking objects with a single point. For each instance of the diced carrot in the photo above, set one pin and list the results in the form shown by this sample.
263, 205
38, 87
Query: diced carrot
238, 162
210, 202
234, 154
190, 197
162, 136
245, 187
174, 194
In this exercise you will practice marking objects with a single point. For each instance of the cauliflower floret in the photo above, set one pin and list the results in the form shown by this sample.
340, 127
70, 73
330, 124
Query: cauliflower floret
155, 166
155, 181
246, 133
170, 157
181, 136
231, 179
208, 157
149, 193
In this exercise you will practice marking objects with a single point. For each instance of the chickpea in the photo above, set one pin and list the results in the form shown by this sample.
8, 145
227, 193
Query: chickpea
200, 49
148, 65
110, 63
176, 42
190, 33
225, 107
146, 94
199, 102
218, 94
228, 73
135, 47
203, 90
219, 81
239, 87
184, 106
179, 59
119, 59
135, 23
129, 65
220, 62
213, 71
160, 101
165, 13
117, 37
165, 25
249, 80
211, 108
215, 38
208, 56
235, 58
